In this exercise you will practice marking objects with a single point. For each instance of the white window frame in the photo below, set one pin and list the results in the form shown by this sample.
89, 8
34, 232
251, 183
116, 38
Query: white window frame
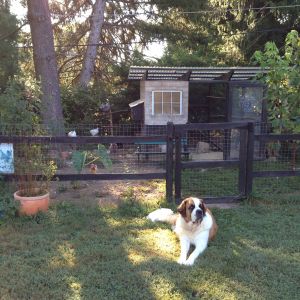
167, 91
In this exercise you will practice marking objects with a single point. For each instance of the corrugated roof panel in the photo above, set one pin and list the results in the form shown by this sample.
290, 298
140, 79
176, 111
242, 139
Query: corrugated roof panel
195, 73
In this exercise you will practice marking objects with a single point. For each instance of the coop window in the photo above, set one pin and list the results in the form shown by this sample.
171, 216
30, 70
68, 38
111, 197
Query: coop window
166, 103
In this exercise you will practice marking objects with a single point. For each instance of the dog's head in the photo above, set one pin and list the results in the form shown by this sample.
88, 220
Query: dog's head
192, 210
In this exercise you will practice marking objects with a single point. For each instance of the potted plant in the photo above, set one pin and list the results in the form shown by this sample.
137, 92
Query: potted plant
34, 171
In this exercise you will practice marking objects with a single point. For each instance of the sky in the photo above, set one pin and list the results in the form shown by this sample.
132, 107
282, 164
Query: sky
154, 50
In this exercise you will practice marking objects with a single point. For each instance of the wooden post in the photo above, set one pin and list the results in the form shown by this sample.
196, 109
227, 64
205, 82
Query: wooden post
227, 132
243, 161
178, 167
250, 159
169, 162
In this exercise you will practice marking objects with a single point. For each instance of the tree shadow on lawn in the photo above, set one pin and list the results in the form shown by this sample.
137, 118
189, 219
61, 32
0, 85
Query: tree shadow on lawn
70, 252
73, 252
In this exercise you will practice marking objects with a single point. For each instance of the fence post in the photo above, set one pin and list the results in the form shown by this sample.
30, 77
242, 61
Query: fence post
243, 161
169, 162
250, 159
177, 166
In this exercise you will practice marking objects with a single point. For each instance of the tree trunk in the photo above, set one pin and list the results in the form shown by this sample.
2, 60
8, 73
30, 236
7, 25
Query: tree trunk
45, 64
91, 50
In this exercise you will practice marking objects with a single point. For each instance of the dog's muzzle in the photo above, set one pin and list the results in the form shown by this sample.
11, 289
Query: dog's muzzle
199, 215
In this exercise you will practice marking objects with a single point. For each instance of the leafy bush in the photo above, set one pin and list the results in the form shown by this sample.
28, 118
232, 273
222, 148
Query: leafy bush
82, 105
8, 41
282, 81
19, 105
34, 170
8, 206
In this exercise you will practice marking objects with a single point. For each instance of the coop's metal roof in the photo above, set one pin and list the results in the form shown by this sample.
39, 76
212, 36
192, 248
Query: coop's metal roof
194, 73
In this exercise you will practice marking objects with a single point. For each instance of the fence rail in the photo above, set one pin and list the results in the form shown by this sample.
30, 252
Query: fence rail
244, 152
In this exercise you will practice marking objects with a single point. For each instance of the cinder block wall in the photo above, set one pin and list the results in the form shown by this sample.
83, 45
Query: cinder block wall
146, 88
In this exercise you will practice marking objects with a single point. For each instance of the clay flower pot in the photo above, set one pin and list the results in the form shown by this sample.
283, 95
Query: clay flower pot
32, 205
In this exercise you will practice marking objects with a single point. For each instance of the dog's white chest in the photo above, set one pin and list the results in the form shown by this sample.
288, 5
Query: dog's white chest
190, 230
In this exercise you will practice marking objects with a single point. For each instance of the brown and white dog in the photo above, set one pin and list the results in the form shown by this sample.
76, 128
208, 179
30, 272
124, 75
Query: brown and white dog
194, 224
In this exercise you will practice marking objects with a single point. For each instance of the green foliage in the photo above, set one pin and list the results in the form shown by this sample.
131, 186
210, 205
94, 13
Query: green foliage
79, 158
20, 104
103, 156
34, 170
8, 42
82, 105
222, 32
131, 206
8, 206
283, 82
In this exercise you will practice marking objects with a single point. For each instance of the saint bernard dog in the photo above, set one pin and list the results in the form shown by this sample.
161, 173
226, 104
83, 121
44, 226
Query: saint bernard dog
194, 224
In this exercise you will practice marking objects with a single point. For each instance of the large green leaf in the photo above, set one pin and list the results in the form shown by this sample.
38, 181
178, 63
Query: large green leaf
78, 159
104, 157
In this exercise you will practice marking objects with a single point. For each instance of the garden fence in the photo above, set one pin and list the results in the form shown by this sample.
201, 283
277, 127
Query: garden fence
220, 162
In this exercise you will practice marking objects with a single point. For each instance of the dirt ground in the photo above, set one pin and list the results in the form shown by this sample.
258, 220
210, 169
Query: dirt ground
109, 193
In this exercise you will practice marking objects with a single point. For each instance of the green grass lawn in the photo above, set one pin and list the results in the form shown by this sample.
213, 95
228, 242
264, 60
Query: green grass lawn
85, 252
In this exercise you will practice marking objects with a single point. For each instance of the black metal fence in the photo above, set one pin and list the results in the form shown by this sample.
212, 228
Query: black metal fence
219, 162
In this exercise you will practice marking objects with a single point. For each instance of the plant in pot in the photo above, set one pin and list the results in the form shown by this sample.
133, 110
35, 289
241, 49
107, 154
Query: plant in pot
34, 171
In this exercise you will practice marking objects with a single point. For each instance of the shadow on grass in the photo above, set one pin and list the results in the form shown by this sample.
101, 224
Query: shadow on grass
115, 253
69, 253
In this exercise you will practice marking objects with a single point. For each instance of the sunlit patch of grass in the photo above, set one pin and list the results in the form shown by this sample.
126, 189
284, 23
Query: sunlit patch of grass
163, 287
136, 257
75, 252
65, 256
156, 242
75, 288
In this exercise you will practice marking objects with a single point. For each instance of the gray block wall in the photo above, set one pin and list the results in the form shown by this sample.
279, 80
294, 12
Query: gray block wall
146, 88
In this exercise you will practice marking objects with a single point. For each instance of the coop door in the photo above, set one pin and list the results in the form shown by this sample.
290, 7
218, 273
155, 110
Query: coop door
246, 102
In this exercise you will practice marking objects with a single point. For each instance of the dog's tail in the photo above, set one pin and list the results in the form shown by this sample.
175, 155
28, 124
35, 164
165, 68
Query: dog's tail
165, 215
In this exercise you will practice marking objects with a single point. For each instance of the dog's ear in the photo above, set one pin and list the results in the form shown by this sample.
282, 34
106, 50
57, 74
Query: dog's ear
182, 208
202, 206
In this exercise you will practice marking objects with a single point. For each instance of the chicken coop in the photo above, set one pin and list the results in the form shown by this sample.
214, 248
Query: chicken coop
185, 95
198, 95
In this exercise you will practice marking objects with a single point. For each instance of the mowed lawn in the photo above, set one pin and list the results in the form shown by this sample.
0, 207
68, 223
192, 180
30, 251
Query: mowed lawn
85, 252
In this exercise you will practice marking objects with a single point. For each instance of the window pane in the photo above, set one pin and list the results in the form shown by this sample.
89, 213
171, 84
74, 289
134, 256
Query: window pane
157, 102
176, 109
167, 103
176, 103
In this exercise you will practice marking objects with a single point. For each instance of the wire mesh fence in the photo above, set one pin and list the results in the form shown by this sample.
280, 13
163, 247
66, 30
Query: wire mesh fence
210, 182
117, 156
211, 146
278, 155
87, 157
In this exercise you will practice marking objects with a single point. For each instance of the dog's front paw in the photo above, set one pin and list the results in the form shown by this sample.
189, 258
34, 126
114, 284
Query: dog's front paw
189, 262
181, 261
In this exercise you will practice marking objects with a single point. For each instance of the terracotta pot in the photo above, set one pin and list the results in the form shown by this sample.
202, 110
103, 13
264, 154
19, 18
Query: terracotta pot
32, 205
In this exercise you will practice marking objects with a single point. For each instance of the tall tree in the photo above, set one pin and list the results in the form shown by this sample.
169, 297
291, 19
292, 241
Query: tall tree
225, 32
8, 41
97, 20
121, 33
45, 64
